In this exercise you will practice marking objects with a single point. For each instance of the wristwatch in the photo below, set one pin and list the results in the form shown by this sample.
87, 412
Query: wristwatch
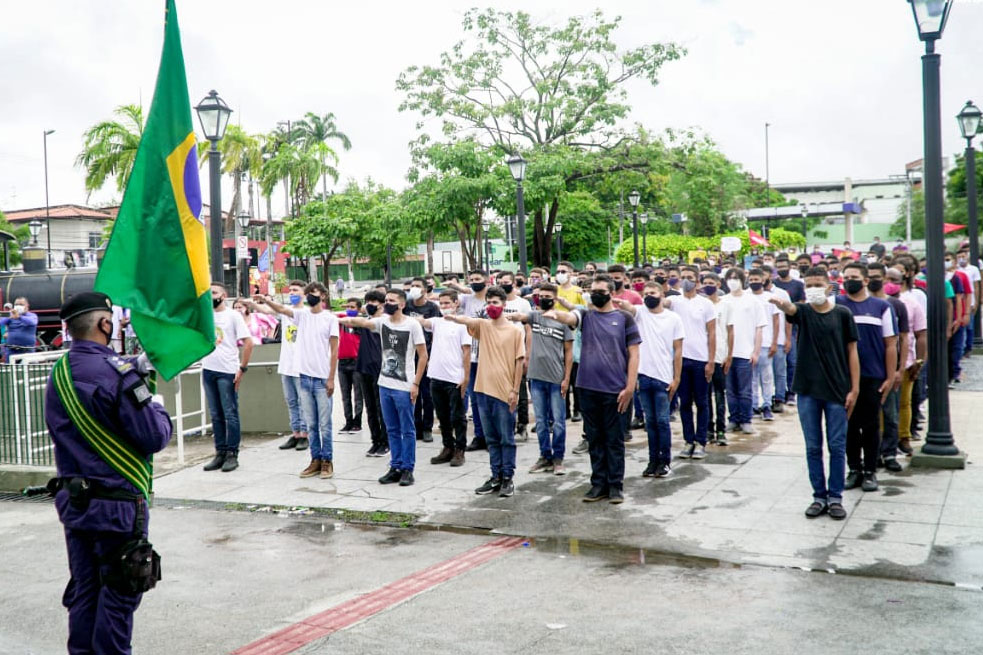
243, 369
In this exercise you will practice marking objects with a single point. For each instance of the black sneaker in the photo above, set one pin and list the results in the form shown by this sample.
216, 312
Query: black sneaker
637, 423
616, 496
346, 429
216, 462
392, 477
721, 438
649, 471
576, 418
231, 462
627, 436
303, 444
290, 443
476, 444
778, 407
663, 471
595, 494
816, 509
371, 451
507, 488
891, 464
406, 479
837, 512
853, 480
427, 437
491, 486
382, 451
870, 482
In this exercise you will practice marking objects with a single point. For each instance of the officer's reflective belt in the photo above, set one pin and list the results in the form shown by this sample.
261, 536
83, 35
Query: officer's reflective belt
121, 456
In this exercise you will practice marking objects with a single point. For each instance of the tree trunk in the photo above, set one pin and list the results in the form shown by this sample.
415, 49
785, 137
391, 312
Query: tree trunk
466, 262
430, 252
538, 257
351, 266
480, 252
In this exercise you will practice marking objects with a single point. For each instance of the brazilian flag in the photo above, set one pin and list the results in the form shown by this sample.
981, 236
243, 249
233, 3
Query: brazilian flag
156, 263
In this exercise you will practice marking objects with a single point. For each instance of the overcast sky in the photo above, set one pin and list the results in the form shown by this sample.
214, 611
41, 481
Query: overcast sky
839, 80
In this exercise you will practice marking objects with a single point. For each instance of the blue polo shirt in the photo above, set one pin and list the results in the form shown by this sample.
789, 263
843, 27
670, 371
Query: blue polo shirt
875, 321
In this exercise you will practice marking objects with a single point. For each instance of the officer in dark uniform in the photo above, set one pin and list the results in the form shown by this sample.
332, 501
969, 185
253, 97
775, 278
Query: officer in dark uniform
102, 511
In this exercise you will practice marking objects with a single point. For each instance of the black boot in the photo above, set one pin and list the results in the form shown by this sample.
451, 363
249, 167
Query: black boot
477, 444
216, 462
231, 462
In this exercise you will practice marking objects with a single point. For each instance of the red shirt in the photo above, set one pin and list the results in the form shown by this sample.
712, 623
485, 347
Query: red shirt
347, 341
629, 295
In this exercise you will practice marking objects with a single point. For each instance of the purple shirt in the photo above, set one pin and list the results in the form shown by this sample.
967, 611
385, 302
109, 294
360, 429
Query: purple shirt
605, 337
102, 390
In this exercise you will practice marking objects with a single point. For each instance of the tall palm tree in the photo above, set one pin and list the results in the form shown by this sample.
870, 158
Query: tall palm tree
241, 155
110, 147
314, 132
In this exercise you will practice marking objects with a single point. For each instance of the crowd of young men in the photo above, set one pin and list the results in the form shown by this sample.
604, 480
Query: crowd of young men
714, 345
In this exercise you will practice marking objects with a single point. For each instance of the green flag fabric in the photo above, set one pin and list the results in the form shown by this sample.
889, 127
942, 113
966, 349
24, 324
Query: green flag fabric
156, 263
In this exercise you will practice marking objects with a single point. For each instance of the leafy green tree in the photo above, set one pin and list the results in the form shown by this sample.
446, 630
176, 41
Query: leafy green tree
241, 156
321, 229
899, 227
109, 149
314, 132
23, 234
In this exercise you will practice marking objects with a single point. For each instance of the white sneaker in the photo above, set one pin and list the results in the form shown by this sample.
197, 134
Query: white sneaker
687, 451
699, 452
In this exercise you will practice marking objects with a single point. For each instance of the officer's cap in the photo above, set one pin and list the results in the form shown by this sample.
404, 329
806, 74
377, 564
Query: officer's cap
83, 303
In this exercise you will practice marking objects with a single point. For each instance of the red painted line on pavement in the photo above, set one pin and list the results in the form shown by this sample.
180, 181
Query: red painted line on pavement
358, 609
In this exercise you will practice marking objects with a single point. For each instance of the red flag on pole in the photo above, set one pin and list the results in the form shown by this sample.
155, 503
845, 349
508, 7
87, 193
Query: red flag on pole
951, 227
757, 240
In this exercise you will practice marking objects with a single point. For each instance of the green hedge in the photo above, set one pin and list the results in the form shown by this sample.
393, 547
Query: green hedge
679, 245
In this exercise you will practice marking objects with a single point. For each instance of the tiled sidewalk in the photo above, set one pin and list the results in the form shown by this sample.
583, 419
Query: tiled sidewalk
744, 503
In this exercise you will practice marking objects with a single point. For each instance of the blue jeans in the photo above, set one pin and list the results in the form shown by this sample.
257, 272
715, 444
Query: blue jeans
223, 405
957, 344
739, 390
779, 367
397, 412
316, 405
811, 412
693, 388
499, 426
479, 434
970, 335
790, 360
291, 393
548, 403
655, 403
763, 384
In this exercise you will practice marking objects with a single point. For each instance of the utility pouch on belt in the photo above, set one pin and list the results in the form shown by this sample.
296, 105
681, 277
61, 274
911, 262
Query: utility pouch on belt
135, 566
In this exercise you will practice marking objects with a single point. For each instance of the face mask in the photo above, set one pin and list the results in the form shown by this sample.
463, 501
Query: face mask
673, 281
20, 309
108, 335
803, 269
638, 286
546, 304
756, 286
351, 313
784, 273
660, 279
217, 302
390, 308
618, 284
371, 309
816, 295
688, 285
507, 288
520, 282
414, 293
924, 271
853, 286
892, 288
949, 265
494, 311
963, 261
709, 290
534, 282
313, 300
652, 301
429, 288
599, 298
295, 298
834, 274
477, 287
734, 285
448, 312
875, 285
562, 278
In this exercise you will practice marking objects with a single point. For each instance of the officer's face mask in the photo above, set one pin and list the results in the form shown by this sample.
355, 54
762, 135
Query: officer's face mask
106, 333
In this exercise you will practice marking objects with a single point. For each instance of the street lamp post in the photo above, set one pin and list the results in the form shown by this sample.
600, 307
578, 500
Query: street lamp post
517, 166
214, 114
930, 18
558, 231
47, 206
969, 123
242, 258
645, 238
35, 229
633, 198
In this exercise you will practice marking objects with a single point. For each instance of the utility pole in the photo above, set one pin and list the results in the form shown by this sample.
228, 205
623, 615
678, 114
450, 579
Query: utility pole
767, 168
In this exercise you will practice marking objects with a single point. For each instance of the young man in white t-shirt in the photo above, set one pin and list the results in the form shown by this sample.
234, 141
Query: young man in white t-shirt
473, 306
763, 382
223, 370
450, 371
717, 393
399, 381
316, 361
660, 366
747, 316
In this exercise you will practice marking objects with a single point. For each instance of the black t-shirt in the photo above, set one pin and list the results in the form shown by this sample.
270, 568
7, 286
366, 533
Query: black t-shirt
794, 288
902, 328
426, 310
822, 367
369, 360
877, 248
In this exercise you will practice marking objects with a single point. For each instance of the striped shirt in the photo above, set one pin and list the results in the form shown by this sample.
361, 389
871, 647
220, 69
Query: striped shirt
875, 322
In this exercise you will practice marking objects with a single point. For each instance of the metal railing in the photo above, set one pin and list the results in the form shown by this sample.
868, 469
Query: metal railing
24, 438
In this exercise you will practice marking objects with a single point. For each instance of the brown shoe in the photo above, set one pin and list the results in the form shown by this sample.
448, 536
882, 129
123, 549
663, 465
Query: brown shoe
445, 456
904, 445
458, 458
327, 470
312, 469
